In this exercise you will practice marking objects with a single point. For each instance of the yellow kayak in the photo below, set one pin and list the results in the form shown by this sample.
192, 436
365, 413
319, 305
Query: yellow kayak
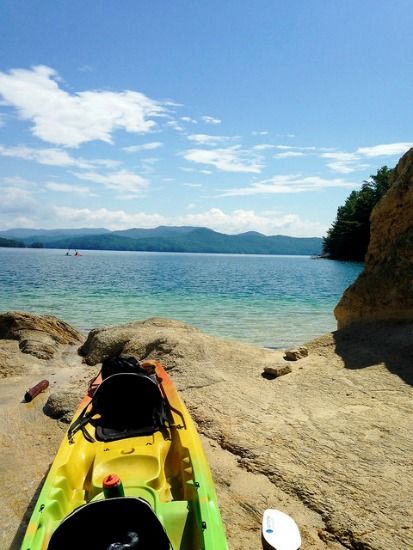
130, 473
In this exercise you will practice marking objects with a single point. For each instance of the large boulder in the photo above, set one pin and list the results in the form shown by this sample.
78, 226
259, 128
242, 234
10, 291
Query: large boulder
384, 290
62, 404
173, 343
38, 335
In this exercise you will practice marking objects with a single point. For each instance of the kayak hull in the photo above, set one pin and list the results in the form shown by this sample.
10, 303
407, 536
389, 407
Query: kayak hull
167, 469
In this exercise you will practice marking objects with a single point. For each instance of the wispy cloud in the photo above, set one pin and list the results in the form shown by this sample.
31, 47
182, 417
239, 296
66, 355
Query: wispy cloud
287, 184
175, 125
55, 157
206, 139
263, 146
50, 157
289, 154
296, 148
111, 219
189, 119
385, 149
16, 199
17, 181
211, 120
344, 163
69, 188
86, 69
229, 159
69, 120
125, 183
144, 147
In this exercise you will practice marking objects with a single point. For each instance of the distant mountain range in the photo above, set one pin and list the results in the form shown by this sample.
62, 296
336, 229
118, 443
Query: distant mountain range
164, 239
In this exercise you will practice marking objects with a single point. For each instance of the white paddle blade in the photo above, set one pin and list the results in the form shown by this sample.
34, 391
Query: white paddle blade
280, 530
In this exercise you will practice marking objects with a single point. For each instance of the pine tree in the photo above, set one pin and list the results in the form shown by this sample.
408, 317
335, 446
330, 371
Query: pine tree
349, 235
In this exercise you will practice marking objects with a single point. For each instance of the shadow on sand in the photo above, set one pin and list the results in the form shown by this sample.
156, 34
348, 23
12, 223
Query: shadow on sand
362, 346
18, 537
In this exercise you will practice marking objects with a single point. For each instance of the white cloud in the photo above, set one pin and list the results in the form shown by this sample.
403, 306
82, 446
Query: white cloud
230, 159
192, 184
340, 156
175, 125
69, 120
55, 157
211, 120
15, 200
17, 181
86, 69
69, 188
344, 163
239, 221
385, 149
296, 148
126, 183
144, 147
205, 139
346, 167
263, 146
289, 154
189, 119
103, 217
287, 184
49, 157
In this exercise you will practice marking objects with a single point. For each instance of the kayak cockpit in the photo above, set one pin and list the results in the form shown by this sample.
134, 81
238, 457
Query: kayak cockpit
124, 405
112, 524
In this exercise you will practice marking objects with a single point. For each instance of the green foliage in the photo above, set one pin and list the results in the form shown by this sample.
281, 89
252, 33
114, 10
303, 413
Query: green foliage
349, 236
10, 243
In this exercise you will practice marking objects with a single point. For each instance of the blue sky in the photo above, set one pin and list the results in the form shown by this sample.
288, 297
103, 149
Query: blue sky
232, 115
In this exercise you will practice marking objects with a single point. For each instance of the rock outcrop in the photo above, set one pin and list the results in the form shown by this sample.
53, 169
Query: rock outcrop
330, 443
384, 290
175, 344
38, 335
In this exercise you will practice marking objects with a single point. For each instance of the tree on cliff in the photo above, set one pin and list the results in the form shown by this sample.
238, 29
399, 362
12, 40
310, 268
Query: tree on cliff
349, 235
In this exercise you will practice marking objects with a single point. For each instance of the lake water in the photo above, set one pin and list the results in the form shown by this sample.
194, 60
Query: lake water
273, 301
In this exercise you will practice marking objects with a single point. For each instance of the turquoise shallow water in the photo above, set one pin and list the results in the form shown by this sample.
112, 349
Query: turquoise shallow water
273, 301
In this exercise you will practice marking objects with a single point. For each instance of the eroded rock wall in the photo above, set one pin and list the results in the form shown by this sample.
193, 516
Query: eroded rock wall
384, 290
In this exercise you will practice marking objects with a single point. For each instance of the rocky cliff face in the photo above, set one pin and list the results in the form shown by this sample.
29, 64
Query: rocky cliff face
384, 290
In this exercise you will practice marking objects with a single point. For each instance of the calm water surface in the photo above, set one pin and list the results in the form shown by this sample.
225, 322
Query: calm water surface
273, 301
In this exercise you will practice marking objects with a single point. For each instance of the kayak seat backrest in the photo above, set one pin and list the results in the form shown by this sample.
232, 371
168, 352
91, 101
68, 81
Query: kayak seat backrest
122, 522
128, 405
116, 365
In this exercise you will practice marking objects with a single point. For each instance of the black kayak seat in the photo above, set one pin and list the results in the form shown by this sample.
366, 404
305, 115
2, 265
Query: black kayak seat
111, 524
129, 405
124, 405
